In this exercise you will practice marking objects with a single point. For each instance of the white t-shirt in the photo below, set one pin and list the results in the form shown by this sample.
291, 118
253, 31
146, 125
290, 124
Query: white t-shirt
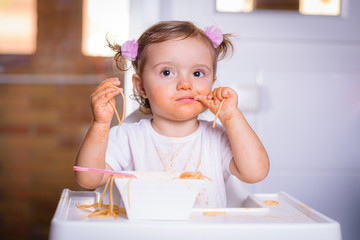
138, 147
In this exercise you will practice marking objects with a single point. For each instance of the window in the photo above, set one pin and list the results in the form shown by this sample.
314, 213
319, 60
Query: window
104, 18
234, 5
18, 26
307, 7
320, 7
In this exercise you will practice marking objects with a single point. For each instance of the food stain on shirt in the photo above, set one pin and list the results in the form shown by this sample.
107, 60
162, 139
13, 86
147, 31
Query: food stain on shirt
200, 200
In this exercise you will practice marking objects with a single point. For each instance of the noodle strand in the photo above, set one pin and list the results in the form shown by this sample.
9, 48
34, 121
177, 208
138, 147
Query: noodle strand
116, 112
217, 113
105, 210
124, 107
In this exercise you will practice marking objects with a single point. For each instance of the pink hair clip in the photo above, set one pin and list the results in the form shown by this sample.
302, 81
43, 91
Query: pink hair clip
215, 35
129, 50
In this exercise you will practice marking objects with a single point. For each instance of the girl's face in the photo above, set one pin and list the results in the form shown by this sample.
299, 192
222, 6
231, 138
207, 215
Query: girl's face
175, 71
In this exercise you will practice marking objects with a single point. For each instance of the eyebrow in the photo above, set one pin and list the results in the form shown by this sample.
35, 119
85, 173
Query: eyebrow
162, 63
170, 63
203, 66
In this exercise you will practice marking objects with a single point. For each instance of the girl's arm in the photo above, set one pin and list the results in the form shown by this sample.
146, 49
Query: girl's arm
250, 163
93, 148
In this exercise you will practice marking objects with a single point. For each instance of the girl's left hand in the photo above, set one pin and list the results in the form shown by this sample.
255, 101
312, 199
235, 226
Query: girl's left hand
213, 100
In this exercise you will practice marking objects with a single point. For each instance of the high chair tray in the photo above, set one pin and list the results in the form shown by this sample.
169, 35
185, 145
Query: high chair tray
278, 217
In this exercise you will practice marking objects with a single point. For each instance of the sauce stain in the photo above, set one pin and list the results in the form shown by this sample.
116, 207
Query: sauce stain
271, 203
214, 214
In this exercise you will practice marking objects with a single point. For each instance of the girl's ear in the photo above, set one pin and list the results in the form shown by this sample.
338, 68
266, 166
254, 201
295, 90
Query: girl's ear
136, 79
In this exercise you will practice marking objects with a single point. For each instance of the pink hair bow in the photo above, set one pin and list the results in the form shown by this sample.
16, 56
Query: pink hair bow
215, 35
129, 50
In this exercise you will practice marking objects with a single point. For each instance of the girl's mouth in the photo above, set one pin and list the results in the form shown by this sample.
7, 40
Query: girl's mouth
185, 99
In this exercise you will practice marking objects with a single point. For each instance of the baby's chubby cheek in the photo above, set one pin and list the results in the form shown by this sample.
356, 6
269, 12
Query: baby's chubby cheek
161, 102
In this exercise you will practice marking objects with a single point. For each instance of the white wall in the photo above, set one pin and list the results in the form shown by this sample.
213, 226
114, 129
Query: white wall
307, 70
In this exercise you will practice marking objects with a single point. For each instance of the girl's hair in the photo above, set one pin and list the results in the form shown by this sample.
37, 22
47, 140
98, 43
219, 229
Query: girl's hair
161, 32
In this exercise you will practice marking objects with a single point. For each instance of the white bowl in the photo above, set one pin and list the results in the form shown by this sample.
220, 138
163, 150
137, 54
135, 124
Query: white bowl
158, 195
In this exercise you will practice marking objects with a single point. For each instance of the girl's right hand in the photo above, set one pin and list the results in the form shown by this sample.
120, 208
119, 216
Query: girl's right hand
105, 92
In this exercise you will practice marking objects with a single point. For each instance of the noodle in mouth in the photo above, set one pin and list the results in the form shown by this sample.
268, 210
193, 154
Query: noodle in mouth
124, 109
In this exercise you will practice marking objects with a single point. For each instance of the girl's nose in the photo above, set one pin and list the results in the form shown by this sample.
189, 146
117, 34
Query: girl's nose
184, 83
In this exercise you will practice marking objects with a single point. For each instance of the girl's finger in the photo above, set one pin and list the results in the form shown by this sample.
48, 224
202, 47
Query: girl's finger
203, 99
215, 94
228, 92
107, 83
219, 93
110, 81
105, 95
101, 92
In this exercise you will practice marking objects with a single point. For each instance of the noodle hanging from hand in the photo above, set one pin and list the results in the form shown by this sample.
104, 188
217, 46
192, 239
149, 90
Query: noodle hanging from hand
124, 107
217, 113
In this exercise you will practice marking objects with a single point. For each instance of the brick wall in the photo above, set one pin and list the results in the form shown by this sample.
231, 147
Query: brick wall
41, 127
43, 122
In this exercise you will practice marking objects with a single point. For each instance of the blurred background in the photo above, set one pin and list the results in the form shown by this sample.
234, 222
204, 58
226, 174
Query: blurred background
296, 69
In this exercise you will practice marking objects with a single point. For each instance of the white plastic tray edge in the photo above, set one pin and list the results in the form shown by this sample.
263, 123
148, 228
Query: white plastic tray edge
295, 203
261, 208
63, 228
63, 205
307, 210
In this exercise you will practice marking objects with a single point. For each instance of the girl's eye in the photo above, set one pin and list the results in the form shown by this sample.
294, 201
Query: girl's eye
166, 73
198, 74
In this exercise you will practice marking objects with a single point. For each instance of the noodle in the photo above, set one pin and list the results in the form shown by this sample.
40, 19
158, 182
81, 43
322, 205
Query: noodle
116, 112
124, 107
105, 210
217, 113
